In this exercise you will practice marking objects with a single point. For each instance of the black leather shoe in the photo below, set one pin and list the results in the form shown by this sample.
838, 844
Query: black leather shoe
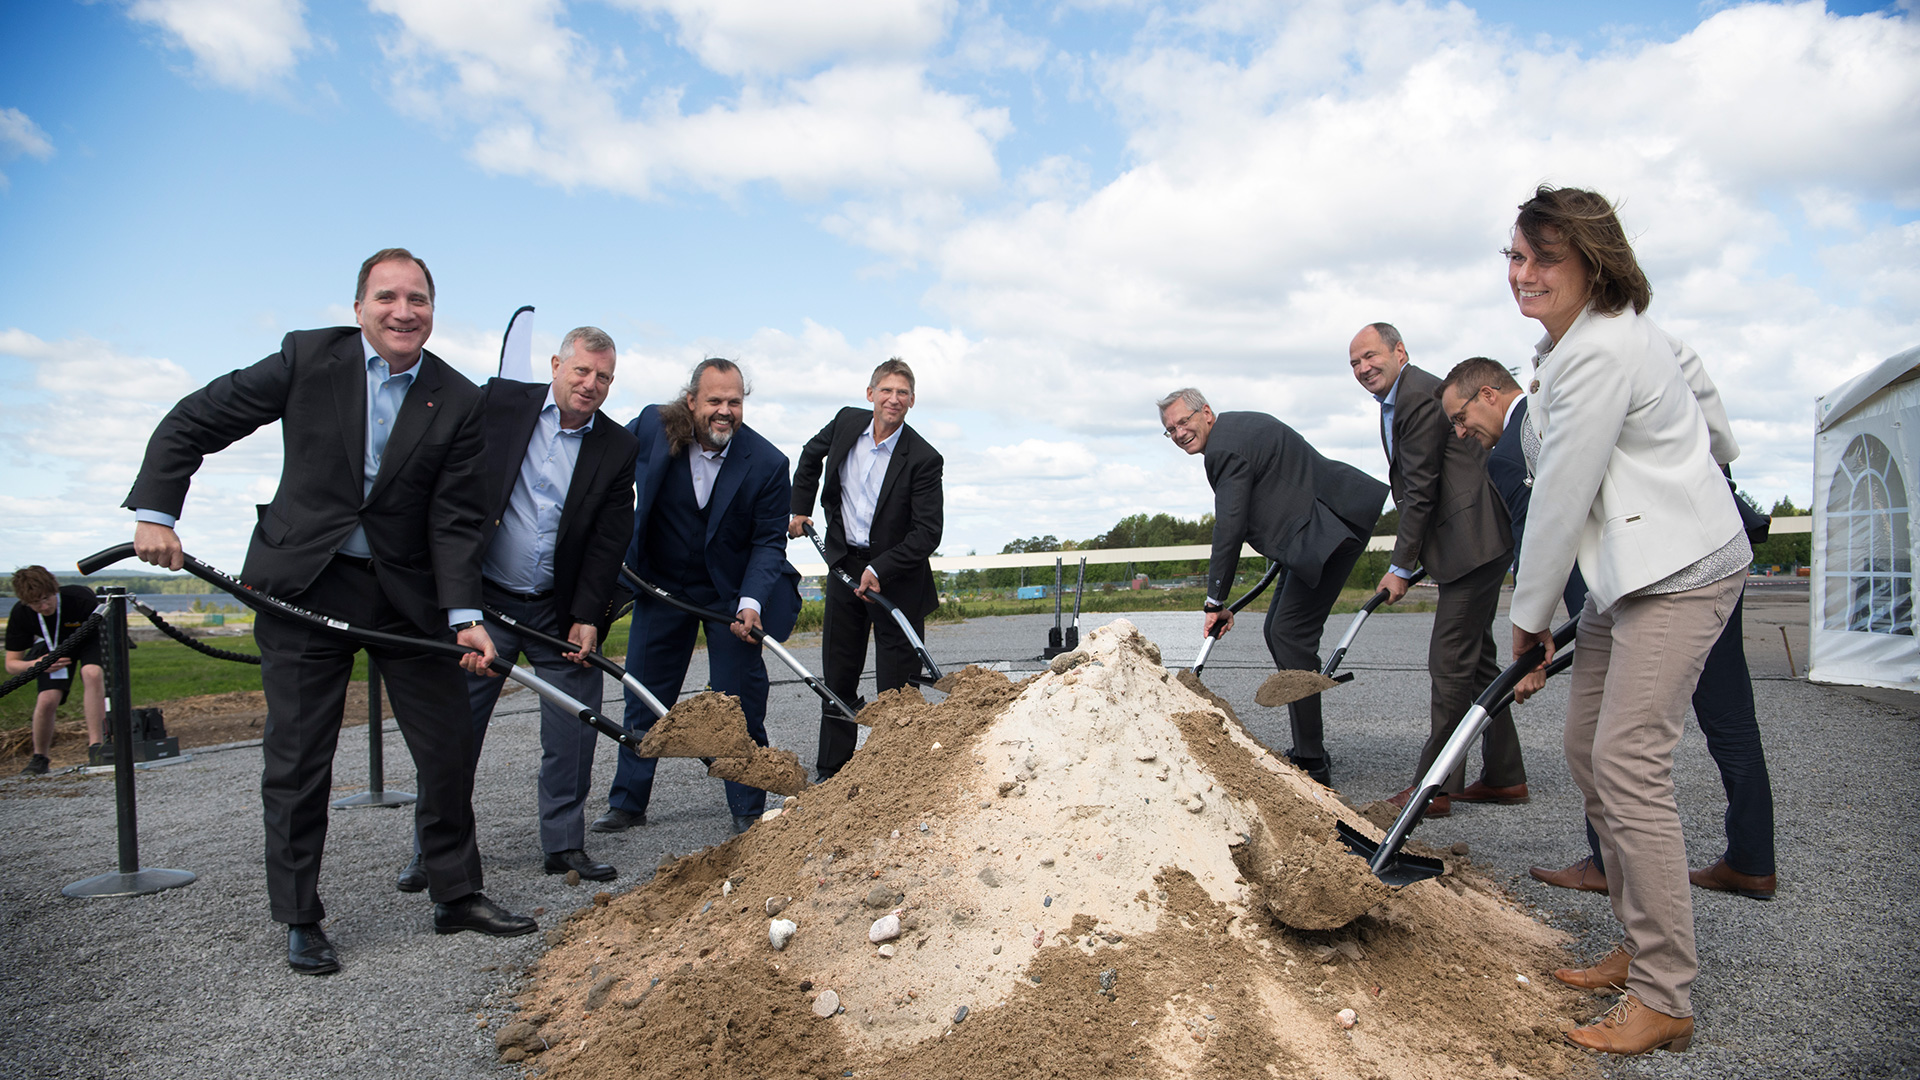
308, 950
413, 876
476, 912
743, 822
1318, 769
615, 820
559, 862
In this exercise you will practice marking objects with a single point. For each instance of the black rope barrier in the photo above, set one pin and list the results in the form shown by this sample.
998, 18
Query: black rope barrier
189, 640
65, 649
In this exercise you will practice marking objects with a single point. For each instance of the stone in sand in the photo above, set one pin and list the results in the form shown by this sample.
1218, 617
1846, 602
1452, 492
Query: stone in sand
1282, 687
777, 771
708, 725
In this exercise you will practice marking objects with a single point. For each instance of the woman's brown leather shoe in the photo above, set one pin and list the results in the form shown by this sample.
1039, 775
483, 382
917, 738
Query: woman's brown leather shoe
1608, 975
1633, 1028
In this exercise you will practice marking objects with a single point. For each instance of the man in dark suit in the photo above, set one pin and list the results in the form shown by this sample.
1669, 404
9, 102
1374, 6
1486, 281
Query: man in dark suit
884, 511
1485, 404
376, 522
1310, 514
1451, 521
559, 488
710, 527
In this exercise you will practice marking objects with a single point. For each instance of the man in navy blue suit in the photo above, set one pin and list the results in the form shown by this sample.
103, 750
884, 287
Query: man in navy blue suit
1484, 403
710, 527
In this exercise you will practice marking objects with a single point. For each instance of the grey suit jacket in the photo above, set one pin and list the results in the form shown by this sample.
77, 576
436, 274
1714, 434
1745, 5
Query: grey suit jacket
424, 512
1451, 517
1273, 490
598, 515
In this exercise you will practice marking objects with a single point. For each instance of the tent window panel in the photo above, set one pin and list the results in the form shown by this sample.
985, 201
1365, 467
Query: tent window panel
1869, 578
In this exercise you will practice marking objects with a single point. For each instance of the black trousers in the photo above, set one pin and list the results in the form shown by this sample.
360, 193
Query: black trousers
304, 672
1296, 619
1462, 659
843, 644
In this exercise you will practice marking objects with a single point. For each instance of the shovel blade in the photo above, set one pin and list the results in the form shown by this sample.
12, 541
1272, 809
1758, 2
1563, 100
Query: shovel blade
1400, 869
1285, 687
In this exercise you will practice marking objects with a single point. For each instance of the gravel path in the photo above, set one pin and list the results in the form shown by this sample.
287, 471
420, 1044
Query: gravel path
191, 982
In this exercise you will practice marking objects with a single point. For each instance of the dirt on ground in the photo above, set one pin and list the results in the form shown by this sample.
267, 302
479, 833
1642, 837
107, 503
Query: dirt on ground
767, 768
1282, 687
1096, 872
206, 720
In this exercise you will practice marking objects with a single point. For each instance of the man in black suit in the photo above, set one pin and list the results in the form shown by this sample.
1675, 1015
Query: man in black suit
1485, 404
710, 527
1310, 514
885, 511
1452, 522
377, 523
559, 484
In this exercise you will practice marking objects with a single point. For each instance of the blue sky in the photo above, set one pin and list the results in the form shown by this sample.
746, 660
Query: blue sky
1056, 212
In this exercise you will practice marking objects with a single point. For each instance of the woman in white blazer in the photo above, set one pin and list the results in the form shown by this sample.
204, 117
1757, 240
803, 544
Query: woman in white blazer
1623, 431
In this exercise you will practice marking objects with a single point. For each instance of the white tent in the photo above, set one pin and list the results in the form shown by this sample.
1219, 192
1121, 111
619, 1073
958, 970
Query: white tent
1866, 461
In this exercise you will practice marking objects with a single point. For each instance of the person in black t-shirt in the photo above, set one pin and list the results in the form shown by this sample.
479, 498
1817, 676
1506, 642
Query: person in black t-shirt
47, 614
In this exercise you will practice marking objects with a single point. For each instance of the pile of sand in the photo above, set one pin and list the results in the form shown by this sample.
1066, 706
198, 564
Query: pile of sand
1095, 872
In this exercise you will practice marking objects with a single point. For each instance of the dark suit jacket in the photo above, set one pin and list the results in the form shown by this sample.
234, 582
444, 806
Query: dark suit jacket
907, 517
1273, 490
1507, 468
746, 519
598, 513
423, 515
1451, 520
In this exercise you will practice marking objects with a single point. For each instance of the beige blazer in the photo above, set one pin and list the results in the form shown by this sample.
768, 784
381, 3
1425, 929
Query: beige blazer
1632, 433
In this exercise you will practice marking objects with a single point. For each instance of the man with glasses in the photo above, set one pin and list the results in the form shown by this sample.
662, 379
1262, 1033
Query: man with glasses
1453, 524
1310, 514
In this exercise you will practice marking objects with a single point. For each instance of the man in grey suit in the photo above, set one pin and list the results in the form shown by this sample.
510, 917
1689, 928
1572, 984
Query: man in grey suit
559, 495
1310, 514
376, 523
1452, 522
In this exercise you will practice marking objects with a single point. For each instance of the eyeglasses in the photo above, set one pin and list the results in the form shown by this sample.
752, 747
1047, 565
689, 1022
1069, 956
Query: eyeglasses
1180, 423
1459, 419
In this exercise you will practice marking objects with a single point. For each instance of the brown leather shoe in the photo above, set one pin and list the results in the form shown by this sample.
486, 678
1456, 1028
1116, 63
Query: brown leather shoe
1633, 1028
1723, 878
1440, 806
1608, 975
1481, 791
1582, 875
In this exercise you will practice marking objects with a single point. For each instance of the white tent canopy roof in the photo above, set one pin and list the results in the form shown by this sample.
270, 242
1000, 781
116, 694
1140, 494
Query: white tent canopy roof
1837, 404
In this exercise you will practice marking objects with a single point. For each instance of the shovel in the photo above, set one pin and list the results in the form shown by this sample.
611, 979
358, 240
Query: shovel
1385, 858
666, 738
1285, 687
929, 671
1206, 646
759, 636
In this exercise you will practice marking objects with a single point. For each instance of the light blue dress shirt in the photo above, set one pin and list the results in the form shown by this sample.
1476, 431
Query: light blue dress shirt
520, 556
861, 475
1386, 429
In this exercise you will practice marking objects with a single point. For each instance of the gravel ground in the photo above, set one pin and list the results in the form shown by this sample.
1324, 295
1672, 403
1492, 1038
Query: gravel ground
191, 982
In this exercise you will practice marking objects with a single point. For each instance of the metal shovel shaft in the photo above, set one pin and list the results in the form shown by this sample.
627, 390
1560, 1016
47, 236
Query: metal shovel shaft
598, 660
1359, 619
893, 610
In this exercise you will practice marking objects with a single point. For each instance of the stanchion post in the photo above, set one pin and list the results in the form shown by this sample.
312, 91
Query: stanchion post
131, 879
376, 793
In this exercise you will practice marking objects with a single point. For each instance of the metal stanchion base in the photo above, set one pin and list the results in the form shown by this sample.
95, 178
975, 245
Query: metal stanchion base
138, 883
374, 798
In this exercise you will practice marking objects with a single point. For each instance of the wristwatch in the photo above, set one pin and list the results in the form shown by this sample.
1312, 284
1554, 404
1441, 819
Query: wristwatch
468, 625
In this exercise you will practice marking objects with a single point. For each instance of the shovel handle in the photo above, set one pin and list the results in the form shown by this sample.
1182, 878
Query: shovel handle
893, 611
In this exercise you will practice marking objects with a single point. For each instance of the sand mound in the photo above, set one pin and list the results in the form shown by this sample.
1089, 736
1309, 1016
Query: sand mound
706, 725
1096, 872
768, 769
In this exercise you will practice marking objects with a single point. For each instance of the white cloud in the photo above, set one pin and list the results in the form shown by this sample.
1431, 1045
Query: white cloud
20, 135
73, 434
549, 105
1293, 173
772, 37
244, 44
